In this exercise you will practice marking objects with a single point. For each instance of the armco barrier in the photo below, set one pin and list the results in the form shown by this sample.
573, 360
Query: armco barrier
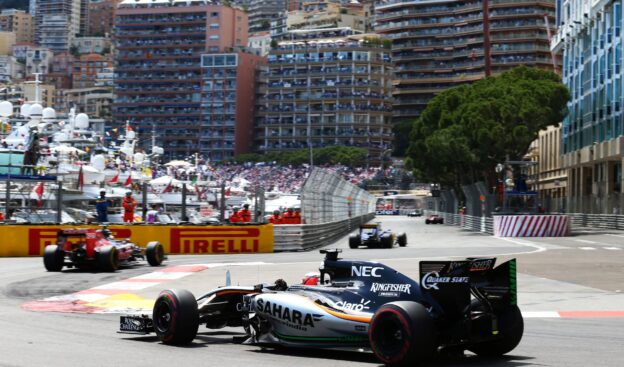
467, 222
308, 236
29, 240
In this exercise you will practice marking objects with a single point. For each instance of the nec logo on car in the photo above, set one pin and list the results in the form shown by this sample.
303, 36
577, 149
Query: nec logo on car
366, 271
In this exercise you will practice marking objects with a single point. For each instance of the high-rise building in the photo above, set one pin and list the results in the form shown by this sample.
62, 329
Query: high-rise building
164, 85
441, 44
18, 21
327, 87
590, 39
56, 23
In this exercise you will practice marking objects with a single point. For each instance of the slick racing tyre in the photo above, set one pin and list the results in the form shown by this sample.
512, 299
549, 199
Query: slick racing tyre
354, 241
176, 317
386, 241
155, 253
402, 334
108, 258
53, 258
510, 330
402, 240
427, 221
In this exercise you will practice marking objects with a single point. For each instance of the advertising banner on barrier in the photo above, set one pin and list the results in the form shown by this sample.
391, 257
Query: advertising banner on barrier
29, 240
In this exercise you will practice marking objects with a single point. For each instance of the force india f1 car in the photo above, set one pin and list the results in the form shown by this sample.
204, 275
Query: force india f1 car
91, 246
458, 305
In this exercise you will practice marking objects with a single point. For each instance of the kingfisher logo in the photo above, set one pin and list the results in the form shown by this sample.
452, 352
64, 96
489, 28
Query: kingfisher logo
39, 238
214, 240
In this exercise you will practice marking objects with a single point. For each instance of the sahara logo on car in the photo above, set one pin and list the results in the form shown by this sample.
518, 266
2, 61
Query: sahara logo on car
389, 289
292, 318
366, 271
363, 305
431, 280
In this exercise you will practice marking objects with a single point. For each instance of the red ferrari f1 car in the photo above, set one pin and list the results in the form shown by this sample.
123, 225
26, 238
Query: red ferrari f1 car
88, 247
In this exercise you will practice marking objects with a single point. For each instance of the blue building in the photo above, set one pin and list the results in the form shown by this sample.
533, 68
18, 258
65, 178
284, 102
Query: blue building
590, 39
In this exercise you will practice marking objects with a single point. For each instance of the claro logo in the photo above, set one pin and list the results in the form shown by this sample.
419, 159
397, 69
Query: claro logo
214, 240
38, 238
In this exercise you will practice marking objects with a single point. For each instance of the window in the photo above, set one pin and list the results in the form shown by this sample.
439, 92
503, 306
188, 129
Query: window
214, 25
214, 37
214, 14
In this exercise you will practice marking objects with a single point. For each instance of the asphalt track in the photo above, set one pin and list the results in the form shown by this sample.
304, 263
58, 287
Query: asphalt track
570, 291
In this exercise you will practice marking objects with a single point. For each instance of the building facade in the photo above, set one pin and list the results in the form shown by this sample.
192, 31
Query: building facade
18, 21
159, 76
327, 87
85, 69
261, 12
101, 17
57, 22
441, 44
590, 40
7, 40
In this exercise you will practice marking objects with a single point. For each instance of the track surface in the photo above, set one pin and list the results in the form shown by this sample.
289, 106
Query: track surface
580, 273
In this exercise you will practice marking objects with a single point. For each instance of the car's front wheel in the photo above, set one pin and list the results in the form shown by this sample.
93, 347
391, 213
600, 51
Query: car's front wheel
155, 253
53, 258
402, 240
402, 334
176, 317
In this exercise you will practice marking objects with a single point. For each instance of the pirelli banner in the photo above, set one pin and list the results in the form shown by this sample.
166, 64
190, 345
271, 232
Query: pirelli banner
29, 240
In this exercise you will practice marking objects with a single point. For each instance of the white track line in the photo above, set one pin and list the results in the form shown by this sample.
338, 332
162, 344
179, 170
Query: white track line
612, 248
587, 248
585, 241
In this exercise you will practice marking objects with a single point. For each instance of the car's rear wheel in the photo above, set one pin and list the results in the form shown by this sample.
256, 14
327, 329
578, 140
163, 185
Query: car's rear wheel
402, 240
155, 253
510, 330
176, 317
385, 241
108, 258
53, 258
354, 241
402, 334
427, 221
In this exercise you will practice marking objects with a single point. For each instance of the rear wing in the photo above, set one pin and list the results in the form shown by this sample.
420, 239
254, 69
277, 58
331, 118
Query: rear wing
451, 283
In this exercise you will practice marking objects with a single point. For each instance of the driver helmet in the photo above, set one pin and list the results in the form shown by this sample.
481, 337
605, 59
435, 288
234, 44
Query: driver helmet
311, 278
107, 233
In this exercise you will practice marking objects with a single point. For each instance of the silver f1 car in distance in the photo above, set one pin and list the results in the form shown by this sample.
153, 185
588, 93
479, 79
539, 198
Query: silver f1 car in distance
457, 305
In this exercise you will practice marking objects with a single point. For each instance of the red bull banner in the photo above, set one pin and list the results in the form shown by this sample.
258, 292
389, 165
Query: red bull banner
30, 240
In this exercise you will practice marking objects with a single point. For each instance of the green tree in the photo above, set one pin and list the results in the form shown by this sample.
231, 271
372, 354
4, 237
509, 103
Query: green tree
465, 131
401, 131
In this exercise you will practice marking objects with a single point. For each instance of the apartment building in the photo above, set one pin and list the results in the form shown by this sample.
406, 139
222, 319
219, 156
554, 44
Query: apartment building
159, 73
57, 22
19, 22
327, 87
441, 44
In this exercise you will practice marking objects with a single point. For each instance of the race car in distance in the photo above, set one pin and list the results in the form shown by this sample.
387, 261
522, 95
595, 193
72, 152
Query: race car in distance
97, 247
434, 219
371, 235
457, 305
415, 213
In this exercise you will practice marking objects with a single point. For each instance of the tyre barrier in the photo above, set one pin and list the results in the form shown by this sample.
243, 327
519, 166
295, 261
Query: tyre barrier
295, 237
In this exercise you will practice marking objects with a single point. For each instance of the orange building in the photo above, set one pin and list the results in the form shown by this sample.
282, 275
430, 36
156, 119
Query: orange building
86, 68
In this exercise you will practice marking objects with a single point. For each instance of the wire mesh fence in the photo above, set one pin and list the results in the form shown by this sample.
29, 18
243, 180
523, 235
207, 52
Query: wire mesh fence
327, 197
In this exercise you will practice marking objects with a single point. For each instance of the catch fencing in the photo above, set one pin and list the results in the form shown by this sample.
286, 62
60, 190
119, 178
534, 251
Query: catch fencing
326, 198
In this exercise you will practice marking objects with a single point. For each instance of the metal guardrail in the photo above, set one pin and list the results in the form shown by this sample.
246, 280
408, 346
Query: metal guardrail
309, 236
602, 221
468, 222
